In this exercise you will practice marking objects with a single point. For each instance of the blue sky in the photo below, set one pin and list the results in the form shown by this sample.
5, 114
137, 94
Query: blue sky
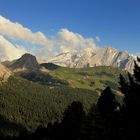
116, 22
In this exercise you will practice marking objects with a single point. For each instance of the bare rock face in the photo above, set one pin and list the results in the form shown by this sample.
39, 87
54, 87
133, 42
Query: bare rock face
4, 73
26, 62
91, 57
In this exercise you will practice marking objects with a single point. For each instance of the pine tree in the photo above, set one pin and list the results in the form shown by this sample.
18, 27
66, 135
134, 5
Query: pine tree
109, 114
107, 103
72, 121
130, 110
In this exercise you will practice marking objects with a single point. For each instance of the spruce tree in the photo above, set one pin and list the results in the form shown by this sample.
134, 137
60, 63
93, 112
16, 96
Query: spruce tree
107, 103
131, 108
72, 121
108, 115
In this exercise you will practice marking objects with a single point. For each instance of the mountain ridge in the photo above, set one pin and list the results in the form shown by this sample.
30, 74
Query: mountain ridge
91, 57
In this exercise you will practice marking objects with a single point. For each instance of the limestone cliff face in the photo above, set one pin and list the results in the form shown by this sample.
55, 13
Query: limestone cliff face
4, 73
91, 57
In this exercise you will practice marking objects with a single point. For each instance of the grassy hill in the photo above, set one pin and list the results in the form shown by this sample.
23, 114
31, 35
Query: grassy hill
95, 78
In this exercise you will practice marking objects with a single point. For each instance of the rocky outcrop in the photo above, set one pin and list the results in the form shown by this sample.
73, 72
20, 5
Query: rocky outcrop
4, 73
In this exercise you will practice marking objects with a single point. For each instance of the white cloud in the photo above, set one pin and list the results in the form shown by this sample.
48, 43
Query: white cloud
63, 41
16, 31
65, 49
8, 51
73, 40
66, 41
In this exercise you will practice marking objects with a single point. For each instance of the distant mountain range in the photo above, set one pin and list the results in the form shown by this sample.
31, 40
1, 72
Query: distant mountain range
51, 74
91, 57
88, 57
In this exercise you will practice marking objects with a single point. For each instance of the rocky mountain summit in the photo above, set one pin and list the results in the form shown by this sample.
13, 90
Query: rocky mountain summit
26, 62
91, 57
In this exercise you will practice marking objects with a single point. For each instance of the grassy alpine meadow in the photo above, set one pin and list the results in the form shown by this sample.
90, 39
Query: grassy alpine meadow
95, 78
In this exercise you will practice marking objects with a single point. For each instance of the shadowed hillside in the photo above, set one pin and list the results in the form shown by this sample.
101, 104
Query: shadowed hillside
30, 104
